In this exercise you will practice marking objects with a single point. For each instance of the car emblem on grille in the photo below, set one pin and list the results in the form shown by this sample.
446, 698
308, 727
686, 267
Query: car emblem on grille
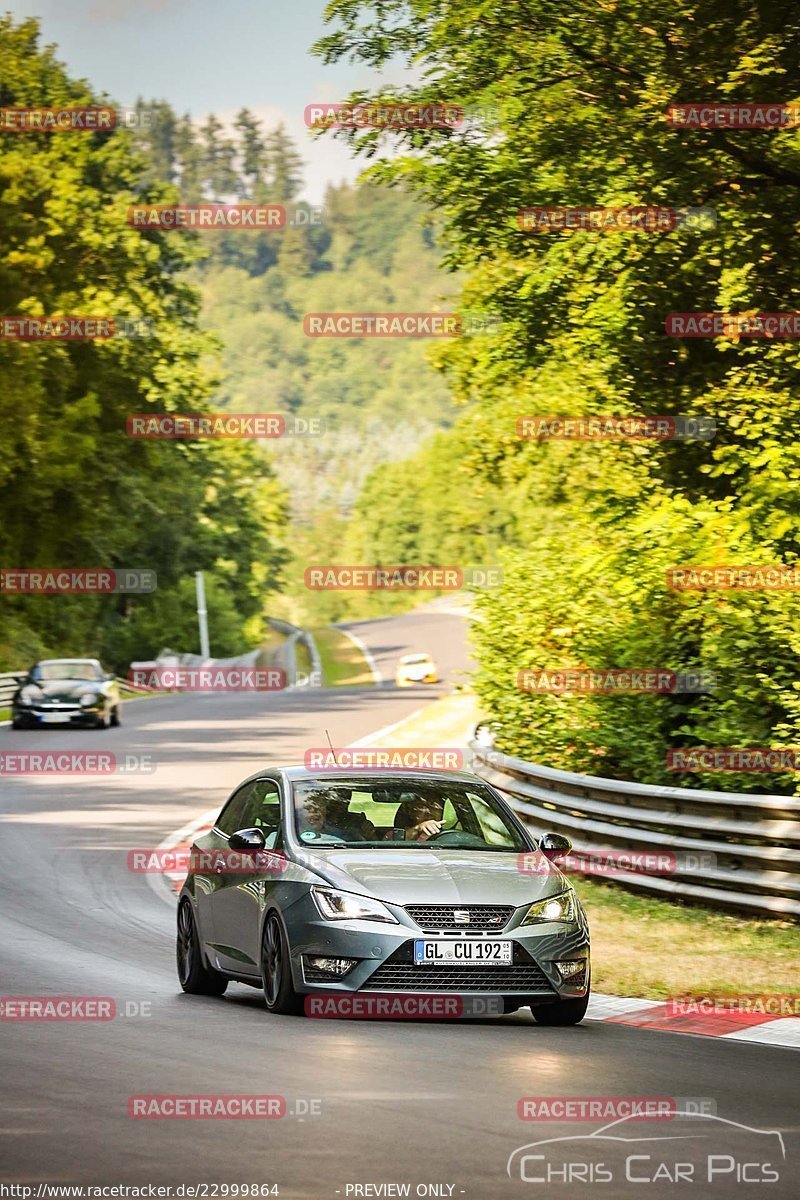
461, 916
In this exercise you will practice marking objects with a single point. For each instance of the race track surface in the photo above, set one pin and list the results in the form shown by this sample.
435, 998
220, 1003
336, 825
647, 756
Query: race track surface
411, 1102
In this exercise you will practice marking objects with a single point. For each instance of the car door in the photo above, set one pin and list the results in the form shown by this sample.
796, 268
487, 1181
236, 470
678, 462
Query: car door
209, 850
241, 890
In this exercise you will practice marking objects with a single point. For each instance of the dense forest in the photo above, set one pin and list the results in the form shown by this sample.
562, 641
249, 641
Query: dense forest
223, 315
422, 461
370, 249
588, 530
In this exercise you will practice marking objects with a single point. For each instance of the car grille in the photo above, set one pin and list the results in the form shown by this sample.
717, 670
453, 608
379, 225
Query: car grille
400, 974
483, 918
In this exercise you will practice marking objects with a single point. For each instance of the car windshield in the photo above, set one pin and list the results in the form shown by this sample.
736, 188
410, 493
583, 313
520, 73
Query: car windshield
389, 813
47, 672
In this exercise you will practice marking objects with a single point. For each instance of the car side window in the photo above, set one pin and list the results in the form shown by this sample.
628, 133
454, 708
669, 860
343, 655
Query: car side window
263, 808
231, 817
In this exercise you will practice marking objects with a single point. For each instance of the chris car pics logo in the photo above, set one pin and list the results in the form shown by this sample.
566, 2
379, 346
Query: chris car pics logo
696, 1147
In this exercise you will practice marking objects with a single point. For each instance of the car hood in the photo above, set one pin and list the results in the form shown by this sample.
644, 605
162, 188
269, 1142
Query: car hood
64, 689
440, 876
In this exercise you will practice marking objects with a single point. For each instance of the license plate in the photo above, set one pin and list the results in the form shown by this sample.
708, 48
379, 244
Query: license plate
54, 718
470, 950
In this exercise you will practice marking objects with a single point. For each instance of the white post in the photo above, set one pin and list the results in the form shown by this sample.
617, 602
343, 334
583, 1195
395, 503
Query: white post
202, 614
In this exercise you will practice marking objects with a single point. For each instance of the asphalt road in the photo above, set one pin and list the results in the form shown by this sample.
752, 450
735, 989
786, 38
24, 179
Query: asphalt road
418, 1103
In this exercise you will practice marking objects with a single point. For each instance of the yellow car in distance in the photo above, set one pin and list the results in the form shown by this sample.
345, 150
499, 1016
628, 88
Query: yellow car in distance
416, 668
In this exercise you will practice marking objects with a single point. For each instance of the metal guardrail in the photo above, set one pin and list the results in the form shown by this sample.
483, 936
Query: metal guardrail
727, 850
9, 682
288, 654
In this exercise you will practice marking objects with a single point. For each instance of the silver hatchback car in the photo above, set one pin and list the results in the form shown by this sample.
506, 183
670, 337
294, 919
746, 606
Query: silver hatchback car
381, 882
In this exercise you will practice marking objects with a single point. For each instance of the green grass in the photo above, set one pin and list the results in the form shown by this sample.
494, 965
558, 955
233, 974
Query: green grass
343, 664
657, 948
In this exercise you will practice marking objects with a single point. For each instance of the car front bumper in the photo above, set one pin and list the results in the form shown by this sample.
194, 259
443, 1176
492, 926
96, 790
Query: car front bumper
34, 718
384, 958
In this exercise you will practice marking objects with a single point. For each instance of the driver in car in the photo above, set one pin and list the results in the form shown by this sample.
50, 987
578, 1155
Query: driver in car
421, 818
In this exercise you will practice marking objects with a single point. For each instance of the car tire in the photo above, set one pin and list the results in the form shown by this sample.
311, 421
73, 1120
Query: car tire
16, 724
116, 720
193, 975
562, 1012
276, 973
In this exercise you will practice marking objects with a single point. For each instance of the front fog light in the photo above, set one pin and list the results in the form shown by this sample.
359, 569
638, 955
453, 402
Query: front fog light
573, 970
329, 966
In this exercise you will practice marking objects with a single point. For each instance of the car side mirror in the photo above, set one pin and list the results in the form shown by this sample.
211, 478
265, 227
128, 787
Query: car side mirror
554, 846
248, 839
108, 677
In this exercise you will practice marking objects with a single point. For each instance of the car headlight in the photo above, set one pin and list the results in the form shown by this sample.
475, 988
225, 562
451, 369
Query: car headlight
25, 698
556, 908
90, 698
345, 906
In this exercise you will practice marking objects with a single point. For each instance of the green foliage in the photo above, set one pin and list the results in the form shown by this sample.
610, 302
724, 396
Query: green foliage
75, 490
378, 398
571, 111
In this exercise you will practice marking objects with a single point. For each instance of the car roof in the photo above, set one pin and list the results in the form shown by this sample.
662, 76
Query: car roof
296, 774
413, 658
42, 661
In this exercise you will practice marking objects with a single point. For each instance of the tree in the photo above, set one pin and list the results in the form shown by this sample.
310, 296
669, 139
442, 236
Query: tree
252, 154
218, 160
189, 159
285, 164
75, 490
569, 108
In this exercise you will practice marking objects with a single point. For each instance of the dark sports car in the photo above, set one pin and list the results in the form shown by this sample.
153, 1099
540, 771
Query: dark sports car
66, 691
